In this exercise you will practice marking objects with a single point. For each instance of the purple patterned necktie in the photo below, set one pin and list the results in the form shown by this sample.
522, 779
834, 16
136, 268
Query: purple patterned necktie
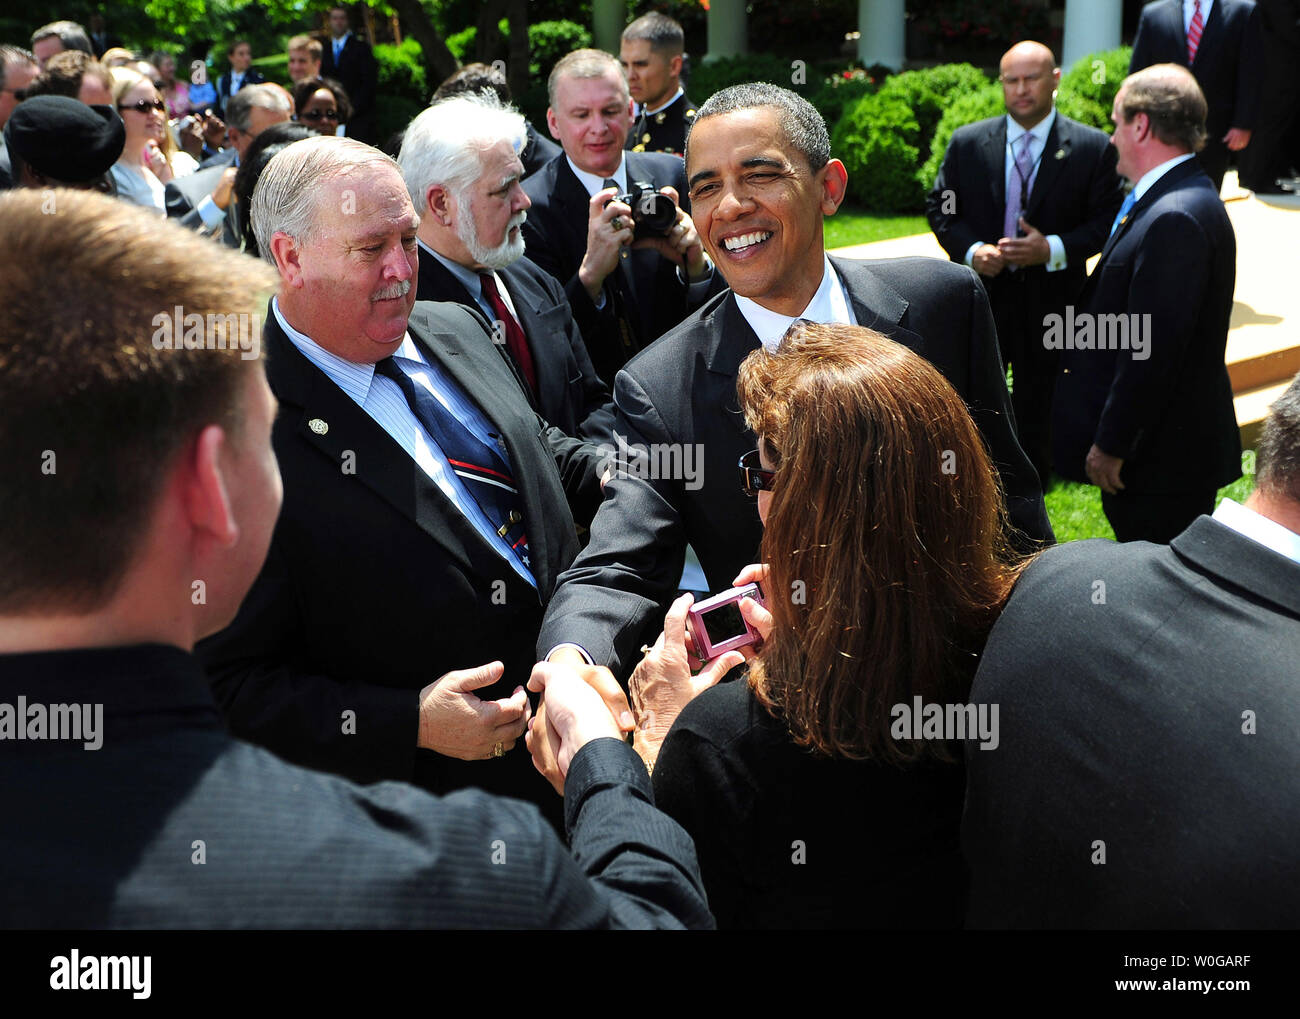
1018, 186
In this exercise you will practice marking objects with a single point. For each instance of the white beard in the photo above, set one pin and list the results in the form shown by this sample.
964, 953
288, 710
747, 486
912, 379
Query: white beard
503, 254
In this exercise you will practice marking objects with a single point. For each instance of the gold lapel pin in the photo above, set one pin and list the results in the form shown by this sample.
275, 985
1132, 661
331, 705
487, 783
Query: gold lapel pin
318, 426
1060, 153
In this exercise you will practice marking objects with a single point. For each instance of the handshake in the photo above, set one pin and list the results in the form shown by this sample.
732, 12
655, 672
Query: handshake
582, 702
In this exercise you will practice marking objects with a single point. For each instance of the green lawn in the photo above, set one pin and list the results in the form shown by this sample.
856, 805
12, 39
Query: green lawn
1075, 509
851, 225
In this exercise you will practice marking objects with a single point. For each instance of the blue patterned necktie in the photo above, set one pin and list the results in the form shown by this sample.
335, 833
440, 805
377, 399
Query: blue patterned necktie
483, 468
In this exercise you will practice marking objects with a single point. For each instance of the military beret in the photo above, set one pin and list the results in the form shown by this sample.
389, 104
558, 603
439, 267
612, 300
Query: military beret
65, 139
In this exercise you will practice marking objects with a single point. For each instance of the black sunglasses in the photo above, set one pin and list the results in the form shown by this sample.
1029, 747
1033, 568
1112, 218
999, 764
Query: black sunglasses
315, 115
754, 478
19, 94
144, 105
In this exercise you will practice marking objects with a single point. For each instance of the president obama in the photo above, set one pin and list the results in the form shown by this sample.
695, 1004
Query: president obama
761, 179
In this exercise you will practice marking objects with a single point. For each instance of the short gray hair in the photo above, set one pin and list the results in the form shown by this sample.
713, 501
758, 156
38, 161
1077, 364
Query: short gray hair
239, 107
1277, 458
802, 125
584, 64
444, 144
287, 197
69, 33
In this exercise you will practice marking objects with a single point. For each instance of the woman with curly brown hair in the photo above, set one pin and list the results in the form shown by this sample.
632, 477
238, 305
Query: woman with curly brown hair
885, 568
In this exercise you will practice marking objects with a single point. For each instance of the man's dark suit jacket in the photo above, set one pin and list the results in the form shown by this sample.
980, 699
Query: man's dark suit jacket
556, 234
1170, 416
376, 584
183, 195
1076, 194
358, 73
682, 391
1123, 720
570, 395
251, 77
1228, 66
538, 150
225, 157
286, 847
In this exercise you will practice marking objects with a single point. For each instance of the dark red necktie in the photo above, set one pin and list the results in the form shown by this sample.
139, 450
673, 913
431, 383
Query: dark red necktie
515, 341
1194, 31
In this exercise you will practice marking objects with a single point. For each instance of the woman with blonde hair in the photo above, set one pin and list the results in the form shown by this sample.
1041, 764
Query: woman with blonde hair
885, 566
150, 158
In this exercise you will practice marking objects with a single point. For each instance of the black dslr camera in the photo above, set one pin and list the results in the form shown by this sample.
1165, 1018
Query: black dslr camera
653, 214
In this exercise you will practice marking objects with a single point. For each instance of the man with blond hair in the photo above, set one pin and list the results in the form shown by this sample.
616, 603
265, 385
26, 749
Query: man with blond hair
304, 58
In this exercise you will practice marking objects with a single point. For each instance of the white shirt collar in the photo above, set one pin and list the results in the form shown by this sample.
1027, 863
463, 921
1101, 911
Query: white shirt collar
351, 377
829, 304
662, 106
594, 182
1155, 173
1189, 11
1259, 528
1040, 131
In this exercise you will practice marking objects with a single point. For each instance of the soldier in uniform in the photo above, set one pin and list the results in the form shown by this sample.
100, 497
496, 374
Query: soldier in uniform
651, 54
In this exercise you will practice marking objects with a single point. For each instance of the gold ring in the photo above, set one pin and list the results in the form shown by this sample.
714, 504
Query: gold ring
499, 750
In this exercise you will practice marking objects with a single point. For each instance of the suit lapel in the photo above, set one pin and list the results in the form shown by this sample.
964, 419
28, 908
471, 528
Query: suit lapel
994, 147
1172, 12
472, 360
1210, 32
878, 306
329, 421
531, 304
1059, 139
1170, 180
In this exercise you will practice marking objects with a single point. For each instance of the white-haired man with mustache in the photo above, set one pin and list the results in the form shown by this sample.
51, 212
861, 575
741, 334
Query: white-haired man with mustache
426, 507
461, 162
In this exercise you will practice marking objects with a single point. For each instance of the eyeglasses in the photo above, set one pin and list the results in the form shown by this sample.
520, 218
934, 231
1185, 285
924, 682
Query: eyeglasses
145, 105
754, 478
315, 115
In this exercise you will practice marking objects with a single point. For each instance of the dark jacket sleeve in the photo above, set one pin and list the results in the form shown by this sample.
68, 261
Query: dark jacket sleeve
628, 572
1142, 43
954, 233
1174, 258
640, 861
1250, 72
596, 413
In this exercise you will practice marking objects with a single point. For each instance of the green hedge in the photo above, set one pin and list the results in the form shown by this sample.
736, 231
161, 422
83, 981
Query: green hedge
715, 75
885, 138
1088, 89
892, 141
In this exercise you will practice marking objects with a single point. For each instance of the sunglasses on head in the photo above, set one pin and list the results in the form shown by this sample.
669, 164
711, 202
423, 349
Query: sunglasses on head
754, 478
144, 105
314, 115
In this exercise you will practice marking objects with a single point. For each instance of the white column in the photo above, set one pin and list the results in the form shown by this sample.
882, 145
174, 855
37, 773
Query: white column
607, 24
728, 29
1089, 27
882, 33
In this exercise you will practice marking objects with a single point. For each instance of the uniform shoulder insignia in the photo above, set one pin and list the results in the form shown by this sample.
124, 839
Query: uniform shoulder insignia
660, 118
689, 114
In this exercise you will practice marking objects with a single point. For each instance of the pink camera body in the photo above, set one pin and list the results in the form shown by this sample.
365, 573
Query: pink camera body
717, 625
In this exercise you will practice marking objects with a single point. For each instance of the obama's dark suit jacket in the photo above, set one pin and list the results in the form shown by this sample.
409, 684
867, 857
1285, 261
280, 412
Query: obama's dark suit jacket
682, 391
653, 296
376, 584
569, 394
1229, 65
1147, 710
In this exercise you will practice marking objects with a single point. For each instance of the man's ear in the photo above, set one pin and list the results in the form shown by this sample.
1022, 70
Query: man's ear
440, 203
675, 65
207, 501
287, 258
835, 183
552, 124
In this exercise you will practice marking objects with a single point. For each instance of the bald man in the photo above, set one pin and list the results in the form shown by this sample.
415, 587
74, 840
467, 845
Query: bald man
1025, 200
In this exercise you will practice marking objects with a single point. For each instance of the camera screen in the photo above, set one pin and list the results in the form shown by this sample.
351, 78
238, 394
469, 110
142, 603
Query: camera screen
724, 622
